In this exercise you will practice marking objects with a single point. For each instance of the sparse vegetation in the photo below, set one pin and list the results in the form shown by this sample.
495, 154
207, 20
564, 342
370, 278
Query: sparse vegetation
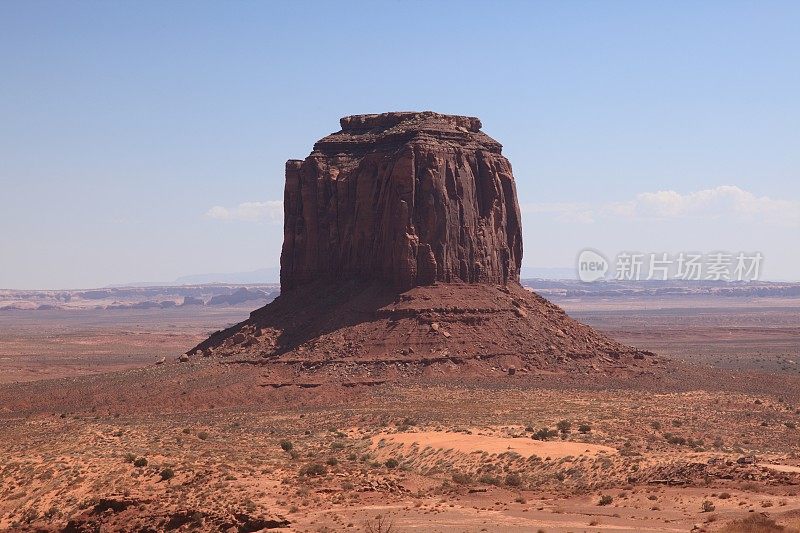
544, 434
462, 478
756, 523
380, 524
313, 469
674, 439
476, 458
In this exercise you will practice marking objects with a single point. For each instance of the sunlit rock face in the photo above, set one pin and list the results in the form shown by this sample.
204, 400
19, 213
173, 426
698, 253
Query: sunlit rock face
406, 198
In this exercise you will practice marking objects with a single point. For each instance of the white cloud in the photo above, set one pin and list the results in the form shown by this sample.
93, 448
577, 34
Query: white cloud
269, 211
724, 201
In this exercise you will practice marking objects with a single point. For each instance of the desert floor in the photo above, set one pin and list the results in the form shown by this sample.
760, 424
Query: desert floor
93, 434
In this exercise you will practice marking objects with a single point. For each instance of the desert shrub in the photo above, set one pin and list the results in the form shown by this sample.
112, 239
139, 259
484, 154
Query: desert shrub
564, 426
380, 524
462, 478
391, 463
544, 434
141, 462
756, 523
584, 428
313, 469
129, 457
707, 507
790, 425
406, 423
337, 445
724, 495
30, 515
332, 461
203, 435
286, 446
486, 479
352, 457
167, 474
655, 424
513, 480
674, 439
605, 499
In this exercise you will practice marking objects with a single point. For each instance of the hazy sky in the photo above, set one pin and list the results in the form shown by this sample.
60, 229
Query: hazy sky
147, 140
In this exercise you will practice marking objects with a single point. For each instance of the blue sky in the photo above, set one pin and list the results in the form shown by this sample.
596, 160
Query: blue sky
131, 132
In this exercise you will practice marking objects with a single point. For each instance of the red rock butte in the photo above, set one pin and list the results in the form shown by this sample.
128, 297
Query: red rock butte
407, 198
401, 255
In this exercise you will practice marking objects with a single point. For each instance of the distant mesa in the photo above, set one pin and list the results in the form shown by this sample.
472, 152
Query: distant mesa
402, 252
239, 296
192, 300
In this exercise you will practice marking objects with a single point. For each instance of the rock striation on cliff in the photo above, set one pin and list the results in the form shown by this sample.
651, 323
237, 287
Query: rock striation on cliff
406, 198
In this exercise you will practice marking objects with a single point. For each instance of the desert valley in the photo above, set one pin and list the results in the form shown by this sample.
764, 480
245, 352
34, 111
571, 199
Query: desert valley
402, 377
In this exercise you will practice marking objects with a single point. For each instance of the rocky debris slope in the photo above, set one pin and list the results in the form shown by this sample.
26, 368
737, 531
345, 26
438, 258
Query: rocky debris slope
356, 329
407, 198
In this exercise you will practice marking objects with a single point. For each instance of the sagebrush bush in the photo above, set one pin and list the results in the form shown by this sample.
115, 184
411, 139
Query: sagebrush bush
313, 469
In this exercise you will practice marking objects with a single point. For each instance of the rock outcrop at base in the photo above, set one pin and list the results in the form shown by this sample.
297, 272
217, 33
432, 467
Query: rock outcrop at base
405, 198
365, 330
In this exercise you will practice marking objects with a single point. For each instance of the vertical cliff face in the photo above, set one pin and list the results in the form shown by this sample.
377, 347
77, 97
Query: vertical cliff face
406, 198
